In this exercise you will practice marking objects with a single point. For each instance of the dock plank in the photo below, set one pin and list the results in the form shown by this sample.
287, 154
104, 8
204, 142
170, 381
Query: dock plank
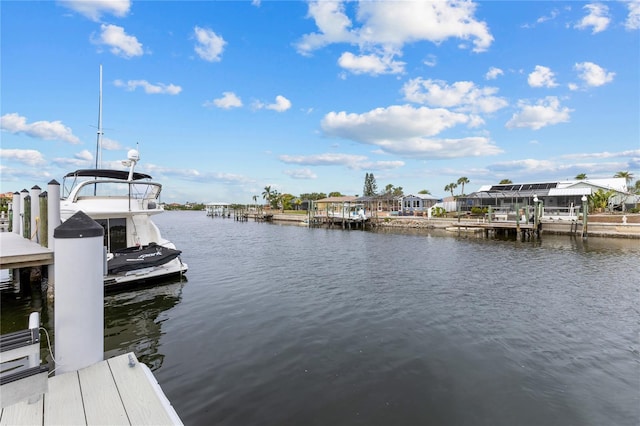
102, 402
109, 392
140, 399
22, 413
63, 403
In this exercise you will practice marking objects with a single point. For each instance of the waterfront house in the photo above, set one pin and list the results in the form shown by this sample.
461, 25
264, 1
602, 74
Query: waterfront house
558, 198
417, 204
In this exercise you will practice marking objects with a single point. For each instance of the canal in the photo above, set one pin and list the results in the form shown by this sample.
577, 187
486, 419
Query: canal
285, 325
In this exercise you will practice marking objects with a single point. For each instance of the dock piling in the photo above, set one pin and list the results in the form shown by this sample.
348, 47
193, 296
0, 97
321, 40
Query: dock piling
79, 293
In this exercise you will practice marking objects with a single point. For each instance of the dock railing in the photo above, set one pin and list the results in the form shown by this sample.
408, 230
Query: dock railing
24, 378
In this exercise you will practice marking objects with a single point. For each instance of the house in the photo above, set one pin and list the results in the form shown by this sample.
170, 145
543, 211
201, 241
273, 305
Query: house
417, 204
558, 198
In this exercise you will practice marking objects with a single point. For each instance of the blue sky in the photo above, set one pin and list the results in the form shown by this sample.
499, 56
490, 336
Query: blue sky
225, 98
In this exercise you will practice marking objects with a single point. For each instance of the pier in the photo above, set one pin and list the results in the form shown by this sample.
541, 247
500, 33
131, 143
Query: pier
117, 391
86, 389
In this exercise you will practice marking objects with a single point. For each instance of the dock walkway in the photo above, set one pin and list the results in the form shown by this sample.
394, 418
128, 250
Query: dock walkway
117, 391
18, 252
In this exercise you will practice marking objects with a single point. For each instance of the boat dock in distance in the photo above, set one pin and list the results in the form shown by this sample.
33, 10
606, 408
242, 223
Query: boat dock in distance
526, 230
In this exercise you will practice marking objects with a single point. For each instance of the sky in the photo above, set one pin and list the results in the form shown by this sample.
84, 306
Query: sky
225, 98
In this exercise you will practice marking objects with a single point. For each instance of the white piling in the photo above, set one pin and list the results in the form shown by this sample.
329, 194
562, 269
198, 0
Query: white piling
23, 195
79, 293
53, 221
35, 213
17, 213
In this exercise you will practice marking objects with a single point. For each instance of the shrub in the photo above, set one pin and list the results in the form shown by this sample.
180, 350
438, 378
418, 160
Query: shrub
439, 212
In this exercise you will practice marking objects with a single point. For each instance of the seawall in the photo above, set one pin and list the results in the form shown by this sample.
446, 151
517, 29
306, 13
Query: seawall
609, 226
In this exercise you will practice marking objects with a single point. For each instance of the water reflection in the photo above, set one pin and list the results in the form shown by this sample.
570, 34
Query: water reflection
133, 321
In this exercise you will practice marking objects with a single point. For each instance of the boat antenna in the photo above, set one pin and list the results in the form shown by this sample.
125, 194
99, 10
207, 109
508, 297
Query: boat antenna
133, 158
100, 132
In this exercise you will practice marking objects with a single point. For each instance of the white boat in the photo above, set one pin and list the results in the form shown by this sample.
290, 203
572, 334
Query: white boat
123, 202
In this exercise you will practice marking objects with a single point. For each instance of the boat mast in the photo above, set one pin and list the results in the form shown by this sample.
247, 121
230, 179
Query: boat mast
99, 141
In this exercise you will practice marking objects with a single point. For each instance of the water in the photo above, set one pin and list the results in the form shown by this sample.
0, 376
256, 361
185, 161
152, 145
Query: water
284, 325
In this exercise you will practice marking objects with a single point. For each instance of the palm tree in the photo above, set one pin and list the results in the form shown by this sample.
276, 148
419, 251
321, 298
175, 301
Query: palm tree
451, 187
267, 194
505, 182
581, 176
628, 176
462, 181
255, 201
425, 192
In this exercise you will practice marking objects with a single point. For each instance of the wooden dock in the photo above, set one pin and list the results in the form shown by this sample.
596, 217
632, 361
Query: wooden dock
117, 391
499, 228
18, 252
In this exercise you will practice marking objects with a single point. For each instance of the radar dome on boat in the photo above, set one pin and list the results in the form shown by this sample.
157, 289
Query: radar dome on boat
133, 155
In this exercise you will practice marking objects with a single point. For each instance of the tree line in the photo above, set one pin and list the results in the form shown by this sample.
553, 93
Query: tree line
285, 201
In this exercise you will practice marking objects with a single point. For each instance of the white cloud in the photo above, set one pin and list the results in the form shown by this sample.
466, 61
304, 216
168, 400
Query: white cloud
282, 104
328, 159
542, 77
301, 174
370, 64
544, 113
493, 73
110, 144
333, 24
554, 13
227, 101
94, 9
209, 45
387, 26
30, 157
151, 89
82, 159
461, 95
84, 155
405, 130
430, 61
22, 174
47, 130
527, 165
121, 43
629, 153
633, 19
597, 18
593, 75
396, 121
354, 162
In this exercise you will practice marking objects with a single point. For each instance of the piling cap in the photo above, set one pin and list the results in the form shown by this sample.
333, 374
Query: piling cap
79, 226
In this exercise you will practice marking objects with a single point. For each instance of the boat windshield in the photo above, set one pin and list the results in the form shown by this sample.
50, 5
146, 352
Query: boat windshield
109, 188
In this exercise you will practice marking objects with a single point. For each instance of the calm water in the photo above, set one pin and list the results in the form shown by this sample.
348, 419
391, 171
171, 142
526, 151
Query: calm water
284, 325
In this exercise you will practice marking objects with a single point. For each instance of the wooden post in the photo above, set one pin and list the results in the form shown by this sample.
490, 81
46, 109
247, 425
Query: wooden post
26, 217
44, 216
35, 213
23, 194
